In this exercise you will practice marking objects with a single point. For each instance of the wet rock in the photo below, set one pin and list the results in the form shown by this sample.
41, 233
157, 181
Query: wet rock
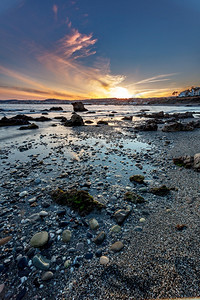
79, 106
102, 122
177, 126
137, 178
89, 255
98, 253
121, 215
2, 290
41, 262
5, 240
75, 120
22, 262
67, 263
104, 260
78, 200
148, 126
31, 126
21, 294
39, 239
66, 236
13, 122
160, 191
197, 161
47, 276
56, 108
127, 118
94, 224
100, 238
117, 246
184, 161
42, 119
115, 229
133, 197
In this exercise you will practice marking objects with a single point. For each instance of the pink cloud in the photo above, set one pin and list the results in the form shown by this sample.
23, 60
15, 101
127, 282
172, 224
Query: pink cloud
76, 45
55, 10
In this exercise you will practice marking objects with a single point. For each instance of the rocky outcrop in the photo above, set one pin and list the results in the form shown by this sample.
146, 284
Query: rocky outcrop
102, 122
188, 161
162, 115
150, 125
75, 120
177, 126
79, 107
56, 108
13, 122
31, 126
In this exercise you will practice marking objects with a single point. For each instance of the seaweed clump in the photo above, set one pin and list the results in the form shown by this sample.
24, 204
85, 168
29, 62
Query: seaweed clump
137, 178
160, 191
133, 197
78, 200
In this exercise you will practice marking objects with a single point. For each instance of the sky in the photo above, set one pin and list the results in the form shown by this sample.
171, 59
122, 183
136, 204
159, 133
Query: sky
82, 49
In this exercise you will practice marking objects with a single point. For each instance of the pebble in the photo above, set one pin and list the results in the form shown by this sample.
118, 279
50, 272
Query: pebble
89, 255
43, 213
5, 240
121, 215
98, 253
47, 276
23, 194
22, 262
104, 260
93, 224
2, 290
41, 262
142, 220
117, 246
100, 238
67, 263
116, 229
66, 236
39, 239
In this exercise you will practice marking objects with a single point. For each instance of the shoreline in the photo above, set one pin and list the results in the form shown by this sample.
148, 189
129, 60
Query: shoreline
157, 260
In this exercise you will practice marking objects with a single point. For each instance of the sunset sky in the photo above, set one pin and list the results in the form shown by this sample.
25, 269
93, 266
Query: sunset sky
81, 49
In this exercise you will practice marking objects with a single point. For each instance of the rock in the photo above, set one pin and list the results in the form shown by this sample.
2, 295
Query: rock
98, 253
197, 161
75, 120
137, 178
21, 294
42, 119
39, 239
66, 236
41, 262
100, 238
184, 161
23, 194
89, 255
67, 263
5, 240
127, 118
13, 121
117, 246
148, 126
121, 215
43, 213
160, 191
101, 122
133, 197
79, 106
22, 262
116, 229
47, 276
78, 200
177, 126
31, 126
56, 108
142, 220
93, 224
104, 260
2, 290
180, 227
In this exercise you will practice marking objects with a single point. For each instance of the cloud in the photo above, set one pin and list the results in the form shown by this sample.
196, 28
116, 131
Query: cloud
76, 45
55, 10
156, 78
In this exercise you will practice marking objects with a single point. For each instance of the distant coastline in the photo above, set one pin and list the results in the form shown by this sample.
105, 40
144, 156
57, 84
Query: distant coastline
195, 100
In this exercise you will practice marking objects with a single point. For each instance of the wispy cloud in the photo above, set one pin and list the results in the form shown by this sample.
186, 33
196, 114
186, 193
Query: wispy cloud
158, 78
55, 11
76, 45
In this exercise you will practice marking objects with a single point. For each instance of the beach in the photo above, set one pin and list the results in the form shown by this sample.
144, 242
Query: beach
139, 245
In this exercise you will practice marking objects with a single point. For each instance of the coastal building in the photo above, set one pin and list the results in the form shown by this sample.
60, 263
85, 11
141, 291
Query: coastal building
194, 91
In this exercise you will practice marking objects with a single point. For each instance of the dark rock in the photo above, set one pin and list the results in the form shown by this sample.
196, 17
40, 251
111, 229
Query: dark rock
102, 122
89, 235
89, 122
184, 161
160, 191
121, 215
99, 253
150, 125
63, 223
61, 213
30, 253
181, 227
31, 126
137, 178
78, 200
13, 122
100, 238
21, 294
22, 263
88, 255
42, 119
133, 197
78, 106
127, 118
178, 127
55, 108
75, 120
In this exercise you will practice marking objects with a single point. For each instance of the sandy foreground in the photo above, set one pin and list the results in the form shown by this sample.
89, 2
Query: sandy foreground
160, 257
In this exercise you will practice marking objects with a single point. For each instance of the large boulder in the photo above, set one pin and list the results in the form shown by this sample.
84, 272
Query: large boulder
13, 122
79, 106
150, 125
56, 108
75, 120
177, 126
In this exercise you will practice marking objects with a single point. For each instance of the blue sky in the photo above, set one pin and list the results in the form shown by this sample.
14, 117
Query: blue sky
78, 49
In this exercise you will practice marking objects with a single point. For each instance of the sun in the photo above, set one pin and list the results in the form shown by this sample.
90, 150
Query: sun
120, 92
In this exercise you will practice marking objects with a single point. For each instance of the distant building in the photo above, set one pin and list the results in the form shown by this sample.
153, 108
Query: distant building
194, 91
